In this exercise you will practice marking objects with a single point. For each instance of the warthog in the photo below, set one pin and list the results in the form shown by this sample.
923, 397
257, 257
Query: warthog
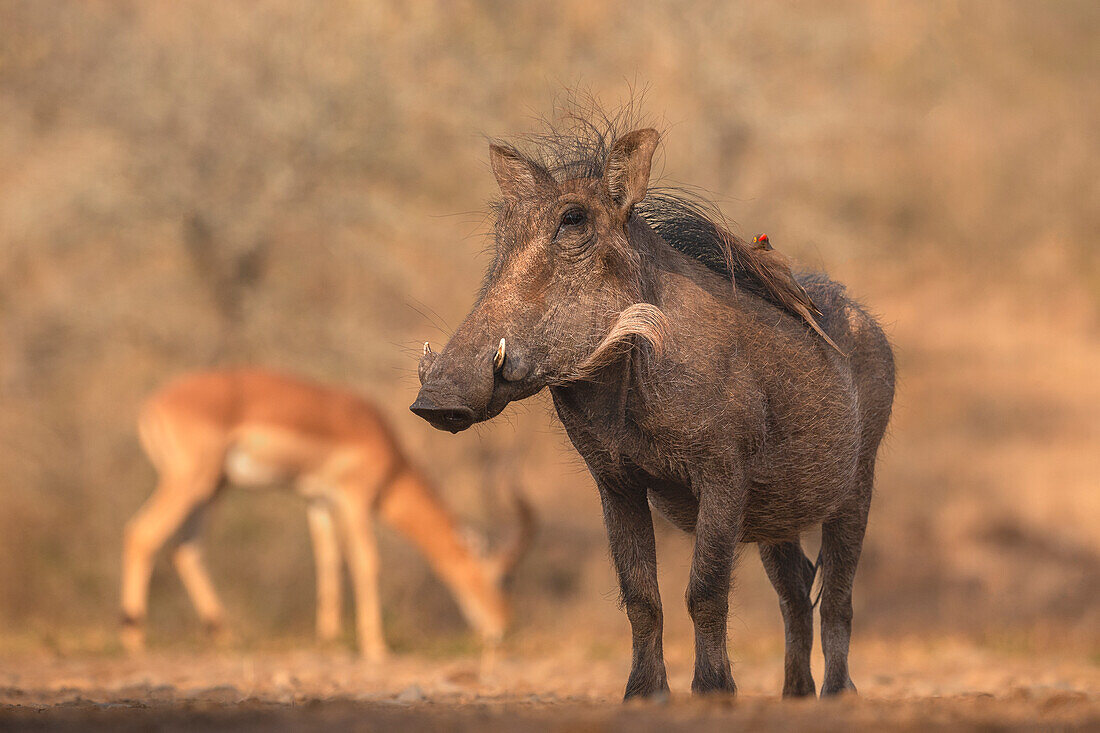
694, 373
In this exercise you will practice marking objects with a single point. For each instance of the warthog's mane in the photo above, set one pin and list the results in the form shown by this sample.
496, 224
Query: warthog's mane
577, 144
695, 227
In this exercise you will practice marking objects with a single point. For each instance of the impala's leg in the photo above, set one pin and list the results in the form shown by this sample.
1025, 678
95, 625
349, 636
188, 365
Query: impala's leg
357, 522
717, 533
187, 557
634, 551
159, 518
326, 554
792, 576
841, 543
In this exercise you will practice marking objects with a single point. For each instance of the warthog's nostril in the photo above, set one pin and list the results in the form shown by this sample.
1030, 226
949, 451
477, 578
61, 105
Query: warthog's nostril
453, 418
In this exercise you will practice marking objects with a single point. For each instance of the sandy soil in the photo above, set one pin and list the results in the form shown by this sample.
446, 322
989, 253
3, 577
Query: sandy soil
903, 686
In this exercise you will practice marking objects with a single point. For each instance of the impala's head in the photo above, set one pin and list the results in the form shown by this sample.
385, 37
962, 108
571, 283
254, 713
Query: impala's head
562, 294
481, 588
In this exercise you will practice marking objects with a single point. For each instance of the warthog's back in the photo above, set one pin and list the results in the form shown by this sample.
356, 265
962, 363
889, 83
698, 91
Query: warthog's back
862, 339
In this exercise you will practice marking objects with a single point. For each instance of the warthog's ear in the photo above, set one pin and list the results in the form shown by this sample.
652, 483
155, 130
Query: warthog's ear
517, 176
627, 173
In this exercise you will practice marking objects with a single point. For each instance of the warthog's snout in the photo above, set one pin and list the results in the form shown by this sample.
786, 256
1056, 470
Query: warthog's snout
453, 418
469, 381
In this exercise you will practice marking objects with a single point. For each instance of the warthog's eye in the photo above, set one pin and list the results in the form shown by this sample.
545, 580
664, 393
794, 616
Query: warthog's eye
574, 217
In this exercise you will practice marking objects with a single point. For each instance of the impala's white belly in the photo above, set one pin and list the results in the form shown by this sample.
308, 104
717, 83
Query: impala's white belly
247, 469
260, 457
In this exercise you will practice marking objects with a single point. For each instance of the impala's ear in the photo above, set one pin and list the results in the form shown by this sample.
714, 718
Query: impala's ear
517, 176
627, 173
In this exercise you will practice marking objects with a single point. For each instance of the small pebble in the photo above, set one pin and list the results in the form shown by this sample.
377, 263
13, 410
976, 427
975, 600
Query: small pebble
411, 694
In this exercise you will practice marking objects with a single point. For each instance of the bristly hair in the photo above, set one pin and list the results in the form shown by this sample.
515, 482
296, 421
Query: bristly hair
576, 144
577, 140
695, 227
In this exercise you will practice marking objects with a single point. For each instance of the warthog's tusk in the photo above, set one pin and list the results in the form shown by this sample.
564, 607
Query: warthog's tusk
427, 349
498, 360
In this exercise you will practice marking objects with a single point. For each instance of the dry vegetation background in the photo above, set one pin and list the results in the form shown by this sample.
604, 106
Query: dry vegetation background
185, 185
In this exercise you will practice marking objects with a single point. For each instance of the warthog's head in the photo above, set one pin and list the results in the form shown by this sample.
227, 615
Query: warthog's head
563, 295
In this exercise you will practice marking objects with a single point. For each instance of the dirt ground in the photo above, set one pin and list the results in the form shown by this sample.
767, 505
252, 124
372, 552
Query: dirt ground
302, 185
906, 685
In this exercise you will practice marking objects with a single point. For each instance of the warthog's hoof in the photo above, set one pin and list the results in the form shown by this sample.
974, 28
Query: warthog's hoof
845, 688
799, 688
659, 696
717, 684
647, 682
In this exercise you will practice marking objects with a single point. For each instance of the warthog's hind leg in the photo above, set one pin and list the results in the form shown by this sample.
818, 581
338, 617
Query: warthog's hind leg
841, 544
792, 575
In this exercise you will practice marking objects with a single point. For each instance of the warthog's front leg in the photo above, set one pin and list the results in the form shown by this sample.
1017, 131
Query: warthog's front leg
717, 532
634, 551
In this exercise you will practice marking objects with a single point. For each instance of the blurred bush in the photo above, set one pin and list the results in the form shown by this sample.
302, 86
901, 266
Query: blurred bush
300, 185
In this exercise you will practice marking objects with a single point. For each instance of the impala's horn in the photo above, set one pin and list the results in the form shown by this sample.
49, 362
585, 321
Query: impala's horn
504, 560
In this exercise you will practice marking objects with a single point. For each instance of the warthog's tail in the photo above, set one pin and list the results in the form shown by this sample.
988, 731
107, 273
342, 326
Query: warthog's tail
815, 574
